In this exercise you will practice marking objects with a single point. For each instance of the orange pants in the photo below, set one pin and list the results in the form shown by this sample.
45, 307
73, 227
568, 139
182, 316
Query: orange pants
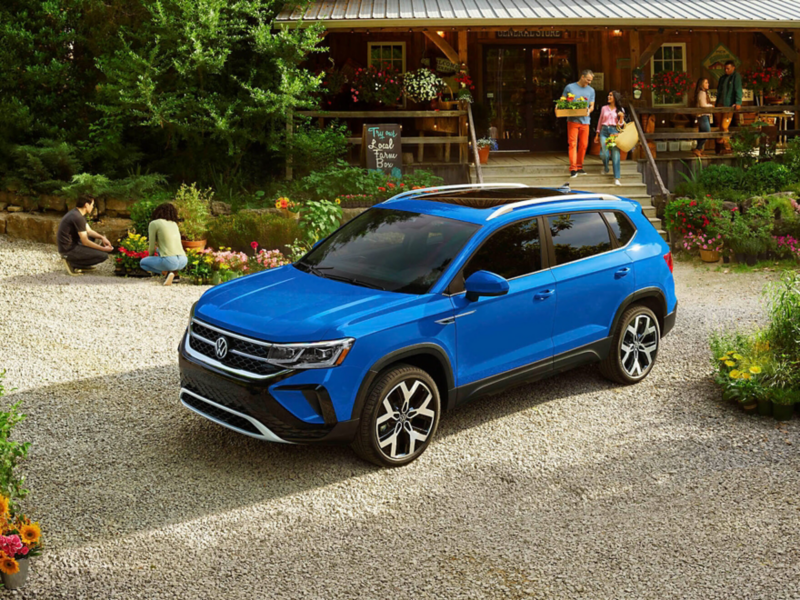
724, 121
578, 138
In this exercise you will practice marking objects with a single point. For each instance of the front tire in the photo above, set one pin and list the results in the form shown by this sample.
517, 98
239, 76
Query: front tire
634, 347
399, 418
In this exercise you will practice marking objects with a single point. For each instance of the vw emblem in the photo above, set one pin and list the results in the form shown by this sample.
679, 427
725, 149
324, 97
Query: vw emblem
221, 347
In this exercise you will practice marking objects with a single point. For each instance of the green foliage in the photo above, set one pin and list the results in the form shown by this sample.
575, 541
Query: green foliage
791, 158
238, 231
311, 146
43, 168
766, 177
11, 483
745, 144
194, 209
318, 219
683, 215
717, 177
132, 187
142, 210
784, 315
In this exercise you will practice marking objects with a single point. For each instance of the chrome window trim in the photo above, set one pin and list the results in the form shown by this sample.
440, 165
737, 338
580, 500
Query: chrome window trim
266, 434
459, 186
210, 361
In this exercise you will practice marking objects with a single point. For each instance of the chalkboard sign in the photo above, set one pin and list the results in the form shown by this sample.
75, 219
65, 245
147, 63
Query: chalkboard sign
383, 149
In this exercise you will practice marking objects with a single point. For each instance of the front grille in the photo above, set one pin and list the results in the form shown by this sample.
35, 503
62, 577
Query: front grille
242, 355
220, 415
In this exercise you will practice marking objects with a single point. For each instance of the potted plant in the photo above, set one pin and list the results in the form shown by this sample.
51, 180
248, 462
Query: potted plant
783, 401
20, 539
465, 86
570, 106
423, 85
484, 147
130, 250
377, 86
193, 207
669, 87
287, 208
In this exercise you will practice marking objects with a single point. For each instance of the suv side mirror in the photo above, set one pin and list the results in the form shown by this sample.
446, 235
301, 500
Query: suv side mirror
485, 283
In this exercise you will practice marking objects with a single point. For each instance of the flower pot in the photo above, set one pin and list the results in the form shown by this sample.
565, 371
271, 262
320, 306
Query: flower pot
18, 579
740, 258
782, 412
726, 259
751, 259
623, 154
762, 256
750, 408
594, 148
637, 94
709, 256
765, 408
193, 244
483, 154
572, 112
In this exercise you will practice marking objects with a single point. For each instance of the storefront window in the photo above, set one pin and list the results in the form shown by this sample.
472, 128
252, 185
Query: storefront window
670, 57
393, 53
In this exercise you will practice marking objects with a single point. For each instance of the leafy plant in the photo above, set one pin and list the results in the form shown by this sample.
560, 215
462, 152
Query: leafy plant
311, 146
683, 215
193, 207
766, 177
133, 187
318, 219
422, 85
131, 249
717, 177
142, 210
745, 143
670, 86
45, 167
238, 231
791, 158
377, 85
11, 483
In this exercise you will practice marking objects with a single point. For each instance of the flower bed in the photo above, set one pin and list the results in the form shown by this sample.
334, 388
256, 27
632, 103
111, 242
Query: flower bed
761, 371
213, 267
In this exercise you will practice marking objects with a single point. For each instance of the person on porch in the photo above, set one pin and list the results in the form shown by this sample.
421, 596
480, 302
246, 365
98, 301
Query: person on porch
729, 93
578, 127
701, 100
612, 115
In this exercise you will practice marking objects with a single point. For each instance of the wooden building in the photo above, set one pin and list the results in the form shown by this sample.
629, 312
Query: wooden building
521, 53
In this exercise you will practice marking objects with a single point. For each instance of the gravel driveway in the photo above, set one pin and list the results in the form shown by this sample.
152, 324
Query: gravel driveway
569, 488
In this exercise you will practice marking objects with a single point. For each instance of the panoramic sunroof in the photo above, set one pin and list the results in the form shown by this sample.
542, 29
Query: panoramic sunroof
488, 197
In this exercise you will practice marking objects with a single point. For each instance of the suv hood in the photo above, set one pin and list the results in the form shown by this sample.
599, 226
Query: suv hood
289, 305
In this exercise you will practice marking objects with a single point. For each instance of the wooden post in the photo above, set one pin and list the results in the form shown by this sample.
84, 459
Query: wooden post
463, 151
633, 36
796, 99
474, 144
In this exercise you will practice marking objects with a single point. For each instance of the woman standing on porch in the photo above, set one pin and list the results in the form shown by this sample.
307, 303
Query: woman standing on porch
612, 115
701, 100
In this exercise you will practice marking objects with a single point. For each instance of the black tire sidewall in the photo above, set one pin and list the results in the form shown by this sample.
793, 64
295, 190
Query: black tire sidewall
626, 320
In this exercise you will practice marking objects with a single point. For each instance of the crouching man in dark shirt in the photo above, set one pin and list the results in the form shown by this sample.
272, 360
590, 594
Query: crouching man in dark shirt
74, 237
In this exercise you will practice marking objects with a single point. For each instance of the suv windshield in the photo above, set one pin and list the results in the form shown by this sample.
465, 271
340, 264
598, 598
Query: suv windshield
391, 250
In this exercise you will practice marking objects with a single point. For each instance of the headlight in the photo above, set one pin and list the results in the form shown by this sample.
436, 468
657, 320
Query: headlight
318, 355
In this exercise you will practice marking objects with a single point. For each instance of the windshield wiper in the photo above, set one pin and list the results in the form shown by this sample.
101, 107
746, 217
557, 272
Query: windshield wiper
355, 281
315, 270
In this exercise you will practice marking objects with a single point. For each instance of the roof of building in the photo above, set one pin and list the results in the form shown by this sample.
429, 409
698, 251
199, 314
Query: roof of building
698, 13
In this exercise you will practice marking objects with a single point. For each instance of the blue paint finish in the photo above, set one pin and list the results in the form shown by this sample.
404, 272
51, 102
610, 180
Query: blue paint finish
542, 314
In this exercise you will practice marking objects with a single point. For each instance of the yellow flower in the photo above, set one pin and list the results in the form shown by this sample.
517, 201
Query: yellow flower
745, 375
30, 534
563, 98
338, 201
734, 374
3, 506
730, 363
723, 358
738, 356
8, 565
755, 369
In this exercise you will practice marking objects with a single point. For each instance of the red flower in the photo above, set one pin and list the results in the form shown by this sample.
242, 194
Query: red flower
254, 245
692, 203
382, 189
391, 185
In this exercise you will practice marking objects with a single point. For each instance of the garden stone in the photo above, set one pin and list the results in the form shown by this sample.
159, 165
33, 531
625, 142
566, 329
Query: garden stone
117, 208
56, 203
100, 206
3, 206
781, 194
15, 209
220, 208
30, 203
729, 206
3, 224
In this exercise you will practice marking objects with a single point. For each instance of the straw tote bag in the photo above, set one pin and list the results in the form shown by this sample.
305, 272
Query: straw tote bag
627, 137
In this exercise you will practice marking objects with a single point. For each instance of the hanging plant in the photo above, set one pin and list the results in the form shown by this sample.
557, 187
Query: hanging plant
423, 85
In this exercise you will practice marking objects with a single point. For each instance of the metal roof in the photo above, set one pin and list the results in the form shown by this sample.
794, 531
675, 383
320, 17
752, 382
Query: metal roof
402, 13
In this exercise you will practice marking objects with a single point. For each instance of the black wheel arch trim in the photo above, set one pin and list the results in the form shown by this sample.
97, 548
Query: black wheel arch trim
648, 292
399, 355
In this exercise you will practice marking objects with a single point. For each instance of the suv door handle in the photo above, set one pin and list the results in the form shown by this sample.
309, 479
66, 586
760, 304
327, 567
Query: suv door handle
543, 295
622, 272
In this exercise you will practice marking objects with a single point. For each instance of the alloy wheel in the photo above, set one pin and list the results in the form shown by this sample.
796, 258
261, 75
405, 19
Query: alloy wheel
639, 346
405, 420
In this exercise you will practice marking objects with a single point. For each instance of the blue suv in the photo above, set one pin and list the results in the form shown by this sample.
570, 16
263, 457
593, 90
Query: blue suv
422, 303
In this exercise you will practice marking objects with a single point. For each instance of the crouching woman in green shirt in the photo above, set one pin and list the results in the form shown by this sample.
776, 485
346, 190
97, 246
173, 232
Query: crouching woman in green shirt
165, 237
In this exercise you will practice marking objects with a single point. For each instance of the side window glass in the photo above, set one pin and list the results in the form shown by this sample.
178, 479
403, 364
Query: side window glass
578, 235
623, 229
513, 251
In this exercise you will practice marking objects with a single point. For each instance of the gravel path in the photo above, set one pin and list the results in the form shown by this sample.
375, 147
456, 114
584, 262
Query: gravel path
569, 488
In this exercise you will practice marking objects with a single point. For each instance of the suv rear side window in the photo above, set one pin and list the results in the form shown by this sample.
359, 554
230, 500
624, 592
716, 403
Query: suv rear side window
513, 251
578, 235
622, 227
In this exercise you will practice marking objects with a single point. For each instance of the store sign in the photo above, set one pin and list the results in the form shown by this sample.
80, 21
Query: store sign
383, 148
537, 33
715, 62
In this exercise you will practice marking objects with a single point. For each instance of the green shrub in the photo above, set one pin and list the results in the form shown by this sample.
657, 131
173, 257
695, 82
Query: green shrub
766, 177
312, 146
718, 177
11, 484
687, 214
194, 209
240, 230
784, 315
43, 168
791, 158
142, 210
133, 187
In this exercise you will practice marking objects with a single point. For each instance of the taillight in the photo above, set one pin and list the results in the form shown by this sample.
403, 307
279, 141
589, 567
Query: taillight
668, 258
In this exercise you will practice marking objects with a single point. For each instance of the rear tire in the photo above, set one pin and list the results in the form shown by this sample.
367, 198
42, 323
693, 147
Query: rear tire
634, 347
399, 418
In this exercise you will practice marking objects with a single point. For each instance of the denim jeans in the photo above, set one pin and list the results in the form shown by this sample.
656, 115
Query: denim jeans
157, 264
605, 131
705, 127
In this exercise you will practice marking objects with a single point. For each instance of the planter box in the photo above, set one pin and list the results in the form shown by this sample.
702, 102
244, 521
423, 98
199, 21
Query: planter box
686, 146
661, 146
572, 112
674, 146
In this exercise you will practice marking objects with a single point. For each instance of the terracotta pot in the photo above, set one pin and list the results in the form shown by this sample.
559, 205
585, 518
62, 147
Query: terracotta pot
709, 256
193, 244
622, 155
483, 154
594, 148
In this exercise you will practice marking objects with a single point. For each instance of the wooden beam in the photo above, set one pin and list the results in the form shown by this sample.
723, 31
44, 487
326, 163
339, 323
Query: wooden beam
781, 45
462, 47
652, 48
442, 45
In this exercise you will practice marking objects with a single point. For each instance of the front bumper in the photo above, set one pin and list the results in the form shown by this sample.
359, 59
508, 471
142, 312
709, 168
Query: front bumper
246, 405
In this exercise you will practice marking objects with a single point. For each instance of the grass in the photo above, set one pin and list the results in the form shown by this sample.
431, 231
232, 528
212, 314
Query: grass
768, 265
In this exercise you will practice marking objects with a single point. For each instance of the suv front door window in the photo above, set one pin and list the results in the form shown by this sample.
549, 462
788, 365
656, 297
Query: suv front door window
514, 330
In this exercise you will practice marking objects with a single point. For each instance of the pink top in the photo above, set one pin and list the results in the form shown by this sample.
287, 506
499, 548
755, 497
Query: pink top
608, 116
